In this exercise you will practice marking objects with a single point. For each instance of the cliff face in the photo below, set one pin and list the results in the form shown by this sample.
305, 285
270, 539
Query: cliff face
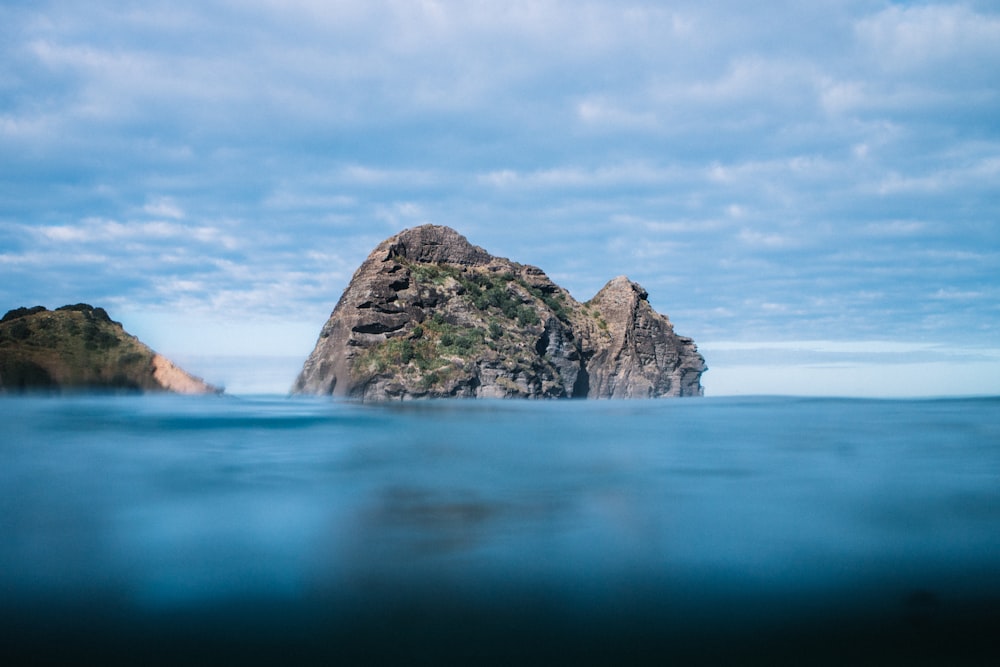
428, 314
81, 348
639, 355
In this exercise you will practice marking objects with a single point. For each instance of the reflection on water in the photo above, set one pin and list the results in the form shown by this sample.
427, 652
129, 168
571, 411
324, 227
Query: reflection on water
705, 530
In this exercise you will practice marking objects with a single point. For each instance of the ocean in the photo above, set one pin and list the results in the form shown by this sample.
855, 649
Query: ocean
272, 530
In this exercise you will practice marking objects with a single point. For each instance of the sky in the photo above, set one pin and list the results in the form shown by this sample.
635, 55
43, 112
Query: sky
809, 190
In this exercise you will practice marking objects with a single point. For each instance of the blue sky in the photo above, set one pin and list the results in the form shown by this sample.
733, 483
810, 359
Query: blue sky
810, 190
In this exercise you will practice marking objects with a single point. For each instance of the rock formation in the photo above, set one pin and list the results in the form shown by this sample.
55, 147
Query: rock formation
81, 348
428, 314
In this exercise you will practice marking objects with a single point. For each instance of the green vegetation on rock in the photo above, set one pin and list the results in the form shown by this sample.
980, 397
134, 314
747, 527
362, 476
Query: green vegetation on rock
425, 356
71, 348
480, 314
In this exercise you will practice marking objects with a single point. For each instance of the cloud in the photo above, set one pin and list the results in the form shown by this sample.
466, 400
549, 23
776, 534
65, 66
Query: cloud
955, 295
99, 231
924, 59
758, 238
766, 82
898, 228
606, 114
363, 175
925, 37
92, 231
163, 207
628, 174
980, 174
785, 169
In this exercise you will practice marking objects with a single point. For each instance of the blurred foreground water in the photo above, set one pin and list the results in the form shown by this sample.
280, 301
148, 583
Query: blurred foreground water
267, 530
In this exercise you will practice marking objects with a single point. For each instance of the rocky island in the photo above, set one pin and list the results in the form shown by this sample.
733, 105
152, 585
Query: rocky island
80, 348
428, 314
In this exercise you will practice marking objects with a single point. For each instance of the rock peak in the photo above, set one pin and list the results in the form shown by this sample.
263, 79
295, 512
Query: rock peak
434, 244
621, 286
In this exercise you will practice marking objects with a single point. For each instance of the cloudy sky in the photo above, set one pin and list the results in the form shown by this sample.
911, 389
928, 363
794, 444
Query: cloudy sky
811, 190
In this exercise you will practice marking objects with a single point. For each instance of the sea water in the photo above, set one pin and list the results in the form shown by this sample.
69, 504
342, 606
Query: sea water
274, 530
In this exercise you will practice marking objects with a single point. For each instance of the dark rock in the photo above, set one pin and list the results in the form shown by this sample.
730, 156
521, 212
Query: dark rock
21, 312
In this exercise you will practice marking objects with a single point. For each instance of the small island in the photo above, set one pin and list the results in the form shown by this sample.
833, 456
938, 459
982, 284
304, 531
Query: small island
429, 315
80, 348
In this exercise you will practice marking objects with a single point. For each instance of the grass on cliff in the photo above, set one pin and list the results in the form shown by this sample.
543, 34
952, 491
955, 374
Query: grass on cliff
426, 354
72, 346
488, 290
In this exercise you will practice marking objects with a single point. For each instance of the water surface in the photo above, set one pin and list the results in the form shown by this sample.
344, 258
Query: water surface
276, 530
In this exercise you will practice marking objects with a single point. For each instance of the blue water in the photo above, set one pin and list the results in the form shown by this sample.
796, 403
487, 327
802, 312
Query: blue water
288, 531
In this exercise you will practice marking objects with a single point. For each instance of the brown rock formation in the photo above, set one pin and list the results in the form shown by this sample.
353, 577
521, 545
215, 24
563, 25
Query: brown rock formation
641, 355
80, 348
428, 314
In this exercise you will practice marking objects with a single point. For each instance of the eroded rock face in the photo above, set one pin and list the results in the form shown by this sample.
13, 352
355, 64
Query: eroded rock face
640, 355
76, 348
428, 314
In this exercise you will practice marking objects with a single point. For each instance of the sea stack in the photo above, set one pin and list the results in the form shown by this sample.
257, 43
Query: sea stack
80, 348
428, 314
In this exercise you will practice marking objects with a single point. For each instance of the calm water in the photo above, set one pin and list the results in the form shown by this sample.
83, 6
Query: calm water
282, 531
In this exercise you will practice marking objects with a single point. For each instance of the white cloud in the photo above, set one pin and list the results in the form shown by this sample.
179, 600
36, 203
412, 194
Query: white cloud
37, 260
980, 173
93, 230
983, 256
775, 81
756, 237
627, 174
164, 207
913, 38
958, 295
96, 230
289, 197
177, 287
655, 249
26, 128
933, 57
501, 178
841, 96
357, 174
735, 211
605, 114
896, 228
400, 215
657, 226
